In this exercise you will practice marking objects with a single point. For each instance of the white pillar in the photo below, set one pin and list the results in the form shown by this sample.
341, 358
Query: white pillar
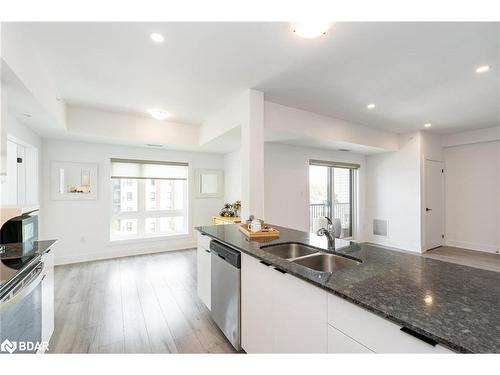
252, 156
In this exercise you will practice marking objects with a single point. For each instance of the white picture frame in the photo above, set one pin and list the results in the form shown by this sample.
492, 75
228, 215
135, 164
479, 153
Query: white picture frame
73, 181
209, 183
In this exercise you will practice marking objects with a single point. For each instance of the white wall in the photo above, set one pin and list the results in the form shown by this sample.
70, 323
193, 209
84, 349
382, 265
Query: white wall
311, 125
472, 136
287, 184
232, 176
82, 227
393, 189
130, 128
23, 58
472, 186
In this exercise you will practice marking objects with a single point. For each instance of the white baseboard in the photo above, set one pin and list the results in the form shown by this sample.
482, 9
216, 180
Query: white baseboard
473, 246
383, 241
118, 253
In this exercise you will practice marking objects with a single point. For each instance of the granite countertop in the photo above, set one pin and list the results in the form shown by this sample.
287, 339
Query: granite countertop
455, 305
11, 269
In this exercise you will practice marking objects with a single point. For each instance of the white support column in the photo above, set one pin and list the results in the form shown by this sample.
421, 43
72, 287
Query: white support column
252, 156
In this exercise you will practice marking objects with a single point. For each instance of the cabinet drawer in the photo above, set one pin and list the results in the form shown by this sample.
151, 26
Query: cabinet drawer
341, 343
204, 241
376, 333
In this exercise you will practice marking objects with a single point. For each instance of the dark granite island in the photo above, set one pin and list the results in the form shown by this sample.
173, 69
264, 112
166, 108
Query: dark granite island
456, 306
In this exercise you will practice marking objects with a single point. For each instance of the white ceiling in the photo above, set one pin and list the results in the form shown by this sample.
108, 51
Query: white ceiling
414, 72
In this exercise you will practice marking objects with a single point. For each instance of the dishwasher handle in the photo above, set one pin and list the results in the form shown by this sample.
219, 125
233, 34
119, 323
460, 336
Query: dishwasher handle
227, 253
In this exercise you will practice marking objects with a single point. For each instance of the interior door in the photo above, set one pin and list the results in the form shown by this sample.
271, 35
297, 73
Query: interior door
433, 199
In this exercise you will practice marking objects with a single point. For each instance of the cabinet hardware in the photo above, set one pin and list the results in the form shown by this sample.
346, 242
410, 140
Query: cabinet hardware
220, 256
280, 270
419, 336
265, 263
208, 251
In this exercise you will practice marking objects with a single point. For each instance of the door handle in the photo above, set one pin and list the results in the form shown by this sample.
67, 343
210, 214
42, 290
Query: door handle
428, 209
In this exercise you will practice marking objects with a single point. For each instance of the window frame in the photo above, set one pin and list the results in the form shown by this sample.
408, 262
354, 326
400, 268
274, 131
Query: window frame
353, 180
142, 214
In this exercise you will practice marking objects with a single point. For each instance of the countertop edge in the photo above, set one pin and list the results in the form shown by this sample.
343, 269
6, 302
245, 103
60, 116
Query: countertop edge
448, 344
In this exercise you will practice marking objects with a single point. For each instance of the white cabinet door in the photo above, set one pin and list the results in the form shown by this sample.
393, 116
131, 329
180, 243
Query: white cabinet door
257, 324
48, 296
299, 315
9, 184
376, 333
204, 275
341, 343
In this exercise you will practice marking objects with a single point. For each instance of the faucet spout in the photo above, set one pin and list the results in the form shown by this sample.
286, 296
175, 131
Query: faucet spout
329, 235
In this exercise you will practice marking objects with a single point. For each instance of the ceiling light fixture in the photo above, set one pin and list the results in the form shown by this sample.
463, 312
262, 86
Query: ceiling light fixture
482, 69
428, 125
310, 29
371, 106
159, 114
157, 38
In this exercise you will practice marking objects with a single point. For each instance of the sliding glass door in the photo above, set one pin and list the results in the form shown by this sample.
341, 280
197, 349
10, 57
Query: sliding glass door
331, 192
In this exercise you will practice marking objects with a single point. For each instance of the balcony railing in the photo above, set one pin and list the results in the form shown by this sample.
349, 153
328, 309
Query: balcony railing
340, 210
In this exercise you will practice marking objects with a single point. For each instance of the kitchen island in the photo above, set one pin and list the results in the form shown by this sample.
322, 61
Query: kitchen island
444, 305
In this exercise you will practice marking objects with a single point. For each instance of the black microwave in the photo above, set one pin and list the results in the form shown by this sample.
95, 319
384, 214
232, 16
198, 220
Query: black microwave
21, 229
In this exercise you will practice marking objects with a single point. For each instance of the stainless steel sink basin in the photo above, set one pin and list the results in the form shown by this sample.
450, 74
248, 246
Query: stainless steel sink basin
290, 250
326, 262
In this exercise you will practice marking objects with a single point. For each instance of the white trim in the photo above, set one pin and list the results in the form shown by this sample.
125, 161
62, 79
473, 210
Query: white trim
473, 246
149, 239
119, 253
425, 245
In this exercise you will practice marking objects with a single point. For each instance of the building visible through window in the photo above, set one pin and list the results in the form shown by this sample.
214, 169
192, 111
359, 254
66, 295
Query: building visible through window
149, 199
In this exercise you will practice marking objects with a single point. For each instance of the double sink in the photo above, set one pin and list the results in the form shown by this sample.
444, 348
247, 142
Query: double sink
310, 257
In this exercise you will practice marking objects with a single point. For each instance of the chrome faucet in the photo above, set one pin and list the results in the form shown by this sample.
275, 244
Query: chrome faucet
329, 235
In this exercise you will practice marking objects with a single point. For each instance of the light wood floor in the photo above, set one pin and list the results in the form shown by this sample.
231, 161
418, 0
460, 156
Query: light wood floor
477, 259
142, 304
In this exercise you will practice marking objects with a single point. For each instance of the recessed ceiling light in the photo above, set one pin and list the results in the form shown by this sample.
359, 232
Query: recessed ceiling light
428, 125
27, 115
482, 69
159, 114
371, 106
156, 37
310, 29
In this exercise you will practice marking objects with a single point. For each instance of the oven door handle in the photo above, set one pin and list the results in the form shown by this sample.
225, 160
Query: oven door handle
36, 278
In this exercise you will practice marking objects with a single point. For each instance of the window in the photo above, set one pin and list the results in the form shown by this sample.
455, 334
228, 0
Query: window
331, 194
150, 199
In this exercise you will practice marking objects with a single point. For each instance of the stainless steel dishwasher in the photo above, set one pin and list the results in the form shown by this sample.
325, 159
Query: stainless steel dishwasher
226, 300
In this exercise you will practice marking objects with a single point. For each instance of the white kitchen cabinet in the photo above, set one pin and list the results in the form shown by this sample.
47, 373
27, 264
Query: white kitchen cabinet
19, 187
257, 326
48, 296
299, 315
375, 333
204, 267
340, 343
280, 313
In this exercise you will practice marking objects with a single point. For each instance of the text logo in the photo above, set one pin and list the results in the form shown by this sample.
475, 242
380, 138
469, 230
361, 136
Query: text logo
8, 346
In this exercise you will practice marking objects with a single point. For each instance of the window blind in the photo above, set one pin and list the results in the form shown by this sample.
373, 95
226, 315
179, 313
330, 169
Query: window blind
148, 169
334, 164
